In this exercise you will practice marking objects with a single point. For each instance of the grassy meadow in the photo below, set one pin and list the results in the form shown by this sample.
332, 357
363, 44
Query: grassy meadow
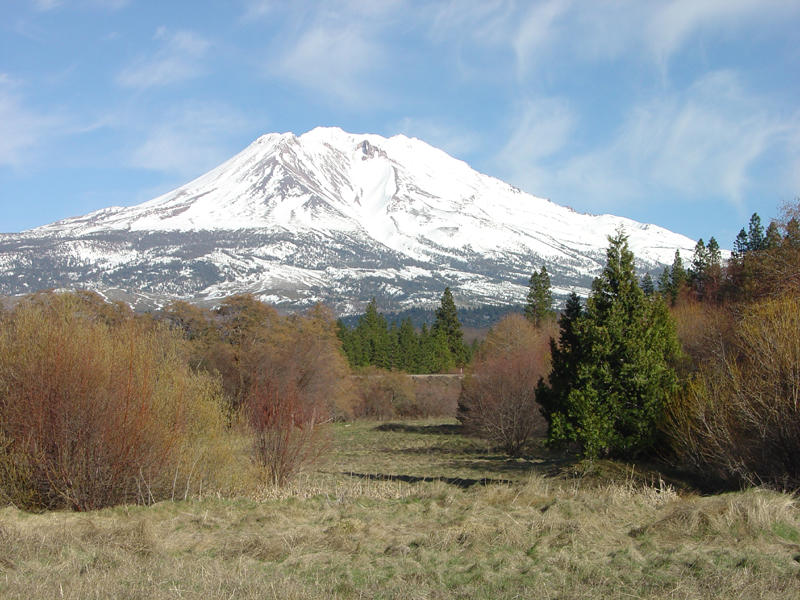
415, 509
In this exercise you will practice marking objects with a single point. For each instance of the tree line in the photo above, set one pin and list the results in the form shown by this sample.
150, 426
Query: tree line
375, 342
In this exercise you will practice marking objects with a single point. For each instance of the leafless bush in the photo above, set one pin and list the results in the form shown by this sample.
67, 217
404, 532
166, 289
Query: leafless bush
738, 419
92, 415
384, 394
437, 396
498, 400
288, 429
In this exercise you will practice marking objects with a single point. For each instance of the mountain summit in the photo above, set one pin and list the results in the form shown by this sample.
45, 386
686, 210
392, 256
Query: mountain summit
334, 217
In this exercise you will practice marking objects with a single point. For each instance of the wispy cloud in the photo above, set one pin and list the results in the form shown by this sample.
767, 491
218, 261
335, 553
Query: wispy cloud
695, 144
544, 128
179, 59
45, 5
334, 48
21, 129
190, 140
332, 61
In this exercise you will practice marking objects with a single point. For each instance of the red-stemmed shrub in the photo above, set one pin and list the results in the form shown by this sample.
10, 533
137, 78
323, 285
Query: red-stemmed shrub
92, 414
498, 400
288, 428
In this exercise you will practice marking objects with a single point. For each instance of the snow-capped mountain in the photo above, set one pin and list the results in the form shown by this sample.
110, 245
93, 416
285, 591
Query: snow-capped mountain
334, 217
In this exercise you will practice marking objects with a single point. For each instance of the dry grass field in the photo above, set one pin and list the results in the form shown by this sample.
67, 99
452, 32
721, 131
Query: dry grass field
414, 510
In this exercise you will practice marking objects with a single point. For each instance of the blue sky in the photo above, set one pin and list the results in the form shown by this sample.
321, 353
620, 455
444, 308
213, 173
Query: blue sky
683, 113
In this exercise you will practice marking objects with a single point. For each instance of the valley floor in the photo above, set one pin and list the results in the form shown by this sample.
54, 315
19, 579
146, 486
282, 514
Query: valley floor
415, 510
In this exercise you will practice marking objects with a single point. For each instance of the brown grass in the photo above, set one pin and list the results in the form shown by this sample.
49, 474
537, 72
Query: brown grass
386, 517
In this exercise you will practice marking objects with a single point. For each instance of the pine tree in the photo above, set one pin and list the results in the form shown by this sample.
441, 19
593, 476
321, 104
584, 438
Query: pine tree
447, 322
425, 358
611, 372
699, 269
772, 236
714, 254
372, 334
539, 304
755, 234
664, 283
408, 344
566, 358
677, 278
648, 288
393, 348
741, 244
440, 356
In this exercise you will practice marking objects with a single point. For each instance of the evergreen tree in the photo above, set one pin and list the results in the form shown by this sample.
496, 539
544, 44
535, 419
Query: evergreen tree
648, 288
425, 356
447, 322
539, 302
566, 358
755, 234
393, 348
677, 278
440, 356
611, 372
664, 283
714, 254
772, 236
740, 244
408, 346
698, 271
372, 334
347, 339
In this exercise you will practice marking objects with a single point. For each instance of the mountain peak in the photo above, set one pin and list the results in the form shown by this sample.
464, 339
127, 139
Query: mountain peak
388, 216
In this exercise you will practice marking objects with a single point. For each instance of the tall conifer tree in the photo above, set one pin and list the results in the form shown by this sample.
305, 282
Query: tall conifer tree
539, 302
609, 393
447, 322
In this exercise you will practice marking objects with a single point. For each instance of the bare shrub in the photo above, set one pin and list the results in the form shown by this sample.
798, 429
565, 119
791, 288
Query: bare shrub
702, 329
297, 380
385, 394
93, 415
255, 342
288, 429
498, 400
437, 396
738, 419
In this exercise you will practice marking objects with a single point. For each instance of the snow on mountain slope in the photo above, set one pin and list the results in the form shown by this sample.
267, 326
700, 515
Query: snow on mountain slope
334, 216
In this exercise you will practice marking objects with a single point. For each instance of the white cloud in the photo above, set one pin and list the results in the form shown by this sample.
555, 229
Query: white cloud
255, 9
698, 144
191, 140
544, 128
333, 61
545, 36
47, 4
178, 60
21, 129
538, 32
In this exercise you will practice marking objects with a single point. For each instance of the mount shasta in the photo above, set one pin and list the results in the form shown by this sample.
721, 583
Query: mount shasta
333, 217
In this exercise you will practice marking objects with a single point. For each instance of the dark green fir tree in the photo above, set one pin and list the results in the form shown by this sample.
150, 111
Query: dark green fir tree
539, 302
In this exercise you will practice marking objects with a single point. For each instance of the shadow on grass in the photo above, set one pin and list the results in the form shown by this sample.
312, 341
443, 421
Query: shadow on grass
456, 481
447, 429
